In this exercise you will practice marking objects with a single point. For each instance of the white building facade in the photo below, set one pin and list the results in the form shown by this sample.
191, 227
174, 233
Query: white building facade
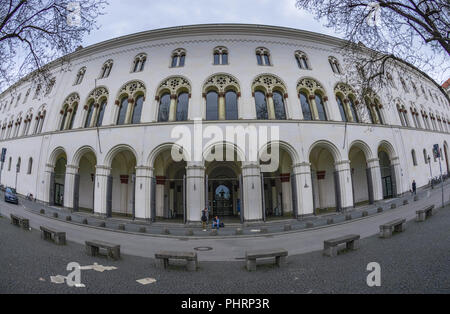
100, 138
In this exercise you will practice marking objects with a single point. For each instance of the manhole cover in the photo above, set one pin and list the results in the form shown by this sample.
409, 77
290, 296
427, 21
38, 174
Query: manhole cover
203, 248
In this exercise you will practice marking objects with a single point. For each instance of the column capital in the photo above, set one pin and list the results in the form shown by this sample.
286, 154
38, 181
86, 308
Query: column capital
101, 170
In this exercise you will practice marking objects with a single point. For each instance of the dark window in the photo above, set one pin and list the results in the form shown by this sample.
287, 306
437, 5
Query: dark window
74, 114
142, 64
379, 115
321, 108
164, 107
212, 106
370, 112
182, 59
101, 113
297, 58
174, 61
63, 122
136, 64
259, 59
353, 109
278, 102
182, 107
89, 115
137, 110
266, 59
306, 109
261, 106
341, 108
231, 106
224, 58
122, 111
216, 58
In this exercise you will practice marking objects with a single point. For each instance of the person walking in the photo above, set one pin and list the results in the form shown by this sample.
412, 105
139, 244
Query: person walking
204, 219
414, 187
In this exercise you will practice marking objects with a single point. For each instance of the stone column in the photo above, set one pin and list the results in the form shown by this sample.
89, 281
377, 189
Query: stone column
101, 181
160, 199
128, 115
345, 183
222, 112
173, 108
302, 174
68, 118
195, 191
69, 185
96, 110
348, 112
315, 113
286, 192
143, 193
397, 176
270, 107
45, 193
374, 167
251, 181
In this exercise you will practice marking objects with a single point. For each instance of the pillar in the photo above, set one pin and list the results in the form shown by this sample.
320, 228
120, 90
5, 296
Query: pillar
396, 173
315, 113
374, 167
195, 191
222, 113
173, 108
143, 193
345, 183
160, 199
286, 193
69, 185
45, 192
101, 184
270, 107
251, 182
304, 189
348, 112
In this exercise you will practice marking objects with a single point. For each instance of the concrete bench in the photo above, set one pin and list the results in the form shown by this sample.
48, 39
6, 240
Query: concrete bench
93, 249
387, 229
56, 236
189, 257
330, 247
20, 221
423, 214
280, 256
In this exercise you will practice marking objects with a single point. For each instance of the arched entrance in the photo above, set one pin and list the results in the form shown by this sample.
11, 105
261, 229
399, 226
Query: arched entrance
57, 180
85, 183
325, 180
121, 185
361, 177
387, 169
168, 187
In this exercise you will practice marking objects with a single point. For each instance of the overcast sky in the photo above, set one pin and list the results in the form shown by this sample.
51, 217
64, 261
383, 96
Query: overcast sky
132, 16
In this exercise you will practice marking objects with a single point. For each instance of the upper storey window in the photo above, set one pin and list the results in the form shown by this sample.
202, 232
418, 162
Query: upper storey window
38, 91
270, 97
173, 96
302, 60
178, 58
390, 80
220, 56
139, 62
415, 89
335, 66
106, 69
221, 92
80, 76
130, 102
404, 84
263, 56
313, 99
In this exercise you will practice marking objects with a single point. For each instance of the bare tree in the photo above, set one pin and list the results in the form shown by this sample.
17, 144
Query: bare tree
36, 32
384, 34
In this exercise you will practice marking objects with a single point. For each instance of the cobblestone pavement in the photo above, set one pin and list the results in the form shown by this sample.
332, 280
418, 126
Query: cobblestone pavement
415, 261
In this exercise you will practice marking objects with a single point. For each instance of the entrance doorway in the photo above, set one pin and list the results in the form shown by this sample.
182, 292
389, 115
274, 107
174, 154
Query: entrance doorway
59, 194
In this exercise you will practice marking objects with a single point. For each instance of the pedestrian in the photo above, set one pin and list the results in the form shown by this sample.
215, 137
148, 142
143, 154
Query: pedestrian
216, 223
204, 219
414, 187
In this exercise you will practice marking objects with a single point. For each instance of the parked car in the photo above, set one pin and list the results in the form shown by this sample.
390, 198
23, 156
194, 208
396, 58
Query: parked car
11, 196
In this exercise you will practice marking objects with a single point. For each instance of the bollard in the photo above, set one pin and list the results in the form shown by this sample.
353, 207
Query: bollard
68, 218
330, 221
102, 224
121, 227
365, 213
189, 232
142, 230
85, 221
393, 206
309, 225
405, 202
238, 231
287, 227
348, 217
42, 211
379, 209
165, 231
55, 215
213, 233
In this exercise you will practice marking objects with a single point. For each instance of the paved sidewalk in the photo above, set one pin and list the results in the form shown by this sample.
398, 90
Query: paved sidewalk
230, 248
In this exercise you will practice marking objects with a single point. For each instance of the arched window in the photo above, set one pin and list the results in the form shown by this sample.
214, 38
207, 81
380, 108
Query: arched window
106, 69
263, 56
278, 102
164, 107
335, 66
137, 110
30, 165
231, 108
212, 106
261, 106
353, 110
122, 111
19, 162
390, 80
178, 58
63, 121
220, 56
90, 111
369, 111
378, 111
320, 107
302, 60
400, 114
139, 62
101, 113
9, 164
341, 108
73, 115
425, 156
78, 80
413, 154
402, 81
306, 109
182, 106
41, 121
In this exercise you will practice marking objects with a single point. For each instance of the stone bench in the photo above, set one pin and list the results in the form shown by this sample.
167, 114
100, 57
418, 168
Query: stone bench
280, 256
56, 236
387, 229
20, 221
93, 249
330, 247
423, 214
189, 257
